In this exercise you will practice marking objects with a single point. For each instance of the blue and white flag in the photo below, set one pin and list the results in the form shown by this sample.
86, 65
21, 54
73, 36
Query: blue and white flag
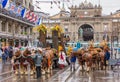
23, 12
39, 21
5, 3
12, 7
19, 10
1, 2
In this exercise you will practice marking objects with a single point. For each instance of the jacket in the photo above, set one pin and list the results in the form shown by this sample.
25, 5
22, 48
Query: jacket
38, 59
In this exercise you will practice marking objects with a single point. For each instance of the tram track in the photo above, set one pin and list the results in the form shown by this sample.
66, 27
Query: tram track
72, 73
63, 75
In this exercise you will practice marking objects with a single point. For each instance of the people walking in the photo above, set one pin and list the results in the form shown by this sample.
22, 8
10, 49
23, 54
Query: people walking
3, 56
72, 61
38, 62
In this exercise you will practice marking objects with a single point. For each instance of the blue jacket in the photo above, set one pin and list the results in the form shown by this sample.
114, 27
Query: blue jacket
73, 59
38, 59
107, 55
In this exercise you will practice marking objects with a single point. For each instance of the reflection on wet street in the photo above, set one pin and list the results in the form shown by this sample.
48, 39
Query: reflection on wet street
65, 75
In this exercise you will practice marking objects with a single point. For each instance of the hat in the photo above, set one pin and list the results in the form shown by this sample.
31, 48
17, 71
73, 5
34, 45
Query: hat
60, 48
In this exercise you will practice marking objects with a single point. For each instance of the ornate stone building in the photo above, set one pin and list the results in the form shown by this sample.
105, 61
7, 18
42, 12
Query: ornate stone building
86, 22
25, 3
15, 31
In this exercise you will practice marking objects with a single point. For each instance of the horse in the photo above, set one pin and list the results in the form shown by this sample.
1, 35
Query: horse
47, 60
16, 61
79, 55
27, 60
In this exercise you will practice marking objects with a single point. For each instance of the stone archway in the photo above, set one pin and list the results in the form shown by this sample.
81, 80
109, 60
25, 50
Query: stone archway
86, 32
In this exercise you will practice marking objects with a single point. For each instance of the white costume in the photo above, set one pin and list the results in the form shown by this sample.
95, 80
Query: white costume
62, 60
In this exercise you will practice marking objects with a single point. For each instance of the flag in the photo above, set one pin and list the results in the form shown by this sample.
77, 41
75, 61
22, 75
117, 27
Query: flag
31, 16
12, 7
27, 15
23, 12
18, 10
5, 3
1, 2
39, 21
35, 18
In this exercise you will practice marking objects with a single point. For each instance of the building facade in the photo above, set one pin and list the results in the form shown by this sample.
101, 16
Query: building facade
25, 3
14, 30
86, 22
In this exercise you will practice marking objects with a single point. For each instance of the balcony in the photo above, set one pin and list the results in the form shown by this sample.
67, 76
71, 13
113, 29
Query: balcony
15, 36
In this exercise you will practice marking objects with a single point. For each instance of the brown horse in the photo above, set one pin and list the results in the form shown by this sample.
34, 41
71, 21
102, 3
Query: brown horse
90, 58
47, 59
16, 61
27, 59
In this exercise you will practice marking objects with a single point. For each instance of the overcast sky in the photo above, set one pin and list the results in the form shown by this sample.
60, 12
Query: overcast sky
107, 5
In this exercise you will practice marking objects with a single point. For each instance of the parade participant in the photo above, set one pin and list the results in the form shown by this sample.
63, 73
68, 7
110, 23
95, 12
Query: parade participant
55, 59
3, 56
38, 61
62, 58
0, 52
10, 49
6, 53
107, 55
68, 54
72, 61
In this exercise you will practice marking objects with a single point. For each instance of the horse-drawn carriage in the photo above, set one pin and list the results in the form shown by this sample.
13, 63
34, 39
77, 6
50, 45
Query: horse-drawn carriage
92, 57
24, 59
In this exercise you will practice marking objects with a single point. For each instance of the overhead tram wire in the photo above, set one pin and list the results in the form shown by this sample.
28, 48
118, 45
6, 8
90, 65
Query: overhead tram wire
56, 2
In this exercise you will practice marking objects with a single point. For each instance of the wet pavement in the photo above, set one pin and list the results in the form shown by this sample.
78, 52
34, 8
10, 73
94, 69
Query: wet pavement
65, 75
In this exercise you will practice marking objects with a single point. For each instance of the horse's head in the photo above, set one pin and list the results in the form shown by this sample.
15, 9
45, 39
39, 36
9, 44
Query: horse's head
18, 53
26, 52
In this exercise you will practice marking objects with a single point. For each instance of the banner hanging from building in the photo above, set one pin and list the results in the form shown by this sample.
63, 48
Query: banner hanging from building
5, 3
21, 11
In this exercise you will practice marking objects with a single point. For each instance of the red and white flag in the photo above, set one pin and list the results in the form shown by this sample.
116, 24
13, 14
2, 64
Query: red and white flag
35, 17
27, 14
31, 16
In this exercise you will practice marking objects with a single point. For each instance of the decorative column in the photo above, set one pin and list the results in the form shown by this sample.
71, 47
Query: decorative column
13, 34
23, 30
19, 30
7, 26
0, 25
29, 30
7, 43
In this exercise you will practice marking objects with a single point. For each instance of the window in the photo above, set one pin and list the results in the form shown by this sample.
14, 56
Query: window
3, 26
